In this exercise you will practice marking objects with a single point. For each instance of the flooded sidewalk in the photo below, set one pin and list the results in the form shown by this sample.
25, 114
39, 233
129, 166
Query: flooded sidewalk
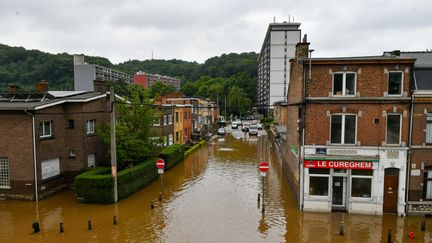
212, 196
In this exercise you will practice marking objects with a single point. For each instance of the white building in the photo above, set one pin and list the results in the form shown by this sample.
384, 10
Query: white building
273, 63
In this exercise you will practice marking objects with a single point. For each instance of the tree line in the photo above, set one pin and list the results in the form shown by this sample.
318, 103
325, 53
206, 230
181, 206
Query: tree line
216, 77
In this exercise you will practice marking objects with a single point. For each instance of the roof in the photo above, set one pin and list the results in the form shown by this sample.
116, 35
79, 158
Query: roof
423, 79
375, 59
423, 58
41, 100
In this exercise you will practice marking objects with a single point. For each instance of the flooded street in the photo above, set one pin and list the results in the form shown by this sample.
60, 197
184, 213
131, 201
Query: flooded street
210, 197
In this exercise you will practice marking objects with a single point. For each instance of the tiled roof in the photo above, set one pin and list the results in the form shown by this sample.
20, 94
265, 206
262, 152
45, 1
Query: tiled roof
423, 58
423, 79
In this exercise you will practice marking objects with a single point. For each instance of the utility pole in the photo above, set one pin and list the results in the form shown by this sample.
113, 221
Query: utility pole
225, 105
113, 144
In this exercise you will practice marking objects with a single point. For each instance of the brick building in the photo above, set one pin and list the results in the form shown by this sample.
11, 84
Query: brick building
147, 79
49, 136
420, 168
348, 127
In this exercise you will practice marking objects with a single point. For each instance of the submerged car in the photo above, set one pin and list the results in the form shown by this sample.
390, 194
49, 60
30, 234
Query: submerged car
253, 130
221, 131
234, 125
259, 125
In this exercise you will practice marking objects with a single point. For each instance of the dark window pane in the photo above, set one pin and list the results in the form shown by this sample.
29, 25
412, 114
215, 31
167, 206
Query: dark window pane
395, 83
393, 129
336, 129
361, 187
362, 172
337, 83
350, 84
318, 186
350, 129
319, 171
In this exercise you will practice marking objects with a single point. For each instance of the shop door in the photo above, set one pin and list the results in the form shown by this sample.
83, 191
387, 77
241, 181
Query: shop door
338, 195
391, 188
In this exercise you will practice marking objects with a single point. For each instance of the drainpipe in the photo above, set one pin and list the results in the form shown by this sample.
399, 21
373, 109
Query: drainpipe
408, 175
34, 163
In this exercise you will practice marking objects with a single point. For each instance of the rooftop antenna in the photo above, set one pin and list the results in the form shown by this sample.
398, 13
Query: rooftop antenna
289, 18
293, 19
274, 19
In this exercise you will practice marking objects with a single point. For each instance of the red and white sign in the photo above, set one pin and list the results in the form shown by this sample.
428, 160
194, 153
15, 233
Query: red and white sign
338, 164
160, 163
264, 166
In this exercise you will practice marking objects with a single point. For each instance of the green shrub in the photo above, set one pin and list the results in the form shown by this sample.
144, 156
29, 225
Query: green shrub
172, 155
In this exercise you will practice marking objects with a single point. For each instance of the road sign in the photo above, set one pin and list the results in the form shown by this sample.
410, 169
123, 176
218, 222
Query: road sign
160, 171
264, 166
160, 164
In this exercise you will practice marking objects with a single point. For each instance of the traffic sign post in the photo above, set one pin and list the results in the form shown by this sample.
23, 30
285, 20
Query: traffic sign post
160, 164
263, 167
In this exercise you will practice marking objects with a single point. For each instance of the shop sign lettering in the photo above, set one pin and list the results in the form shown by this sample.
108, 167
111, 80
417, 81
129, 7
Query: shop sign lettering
336, 164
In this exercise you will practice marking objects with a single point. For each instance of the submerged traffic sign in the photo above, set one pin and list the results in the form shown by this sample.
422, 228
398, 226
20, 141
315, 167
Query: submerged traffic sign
264, 166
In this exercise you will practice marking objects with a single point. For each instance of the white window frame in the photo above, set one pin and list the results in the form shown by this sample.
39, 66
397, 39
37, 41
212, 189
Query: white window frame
400, 128
328, 185
343, 128
90, 126
170, 118
344, 84
4, 173
428, 139
89, 157
371, 177
44, 133
388, 83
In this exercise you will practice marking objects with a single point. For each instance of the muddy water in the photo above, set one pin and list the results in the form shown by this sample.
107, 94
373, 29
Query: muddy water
210, 197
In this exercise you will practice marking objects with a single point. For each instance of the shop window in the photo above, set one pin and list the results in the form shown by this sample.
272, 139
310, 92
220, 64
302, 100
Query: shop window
393, 128
429, 128
395, 83
343, 129
361, 183
427, 177
318, 182
344, 84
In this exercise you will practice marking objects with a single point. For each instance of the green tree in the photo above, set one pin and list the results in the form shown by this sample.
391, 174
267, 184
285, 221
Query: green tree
132, 129
159, 88
239, 102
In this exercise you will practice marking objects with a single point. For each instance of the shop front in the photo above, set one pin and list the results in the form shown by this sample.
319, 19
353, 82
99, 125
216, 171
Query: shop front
370, 184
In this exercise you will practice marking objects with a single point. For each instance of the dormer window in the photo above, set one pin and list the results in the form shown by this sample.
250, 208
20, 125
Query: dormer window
344, 84
395, 83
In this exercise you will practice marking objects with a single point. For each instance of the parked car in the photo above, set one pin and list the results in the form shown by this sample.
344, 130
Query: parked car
245, 127
259, 125
234, 125
221, 131
253, 130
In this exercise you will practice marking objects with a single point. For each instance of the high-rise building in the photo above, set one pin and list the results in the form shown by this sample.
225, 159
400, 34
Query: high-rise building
85, 74
273, 63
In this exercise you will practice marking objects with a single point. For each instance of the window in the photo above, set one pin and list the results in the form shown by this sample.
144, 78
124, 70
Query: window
50, 168
45, 129
170, 118
177, 136
156, 122
165, 120
395, 83
177, 117
318, 182
393, 128
343, 129
361, 183
344, 83
4, 173
72, 153
427, 182
429, 128
184, 115
70, 123
91, 160
90, 127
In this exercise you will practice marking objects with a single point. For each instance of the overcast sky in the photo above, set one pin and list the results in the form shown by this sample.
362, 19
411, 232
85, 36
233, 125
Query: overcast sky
195, 30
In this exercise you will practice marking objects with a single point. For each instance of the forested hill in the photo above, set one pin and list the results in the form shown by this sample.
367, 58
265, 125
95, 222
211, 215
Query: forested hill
25, 67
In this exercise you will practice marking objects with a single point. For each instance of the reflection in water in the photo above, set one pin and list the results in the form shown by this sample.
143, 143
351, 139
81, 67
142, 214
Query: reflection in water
210, 197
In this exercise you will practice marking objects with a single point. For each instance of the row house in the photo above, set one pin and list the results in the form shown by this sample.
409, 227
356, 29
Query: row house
420, 160
47, 139
163, 127
348, 132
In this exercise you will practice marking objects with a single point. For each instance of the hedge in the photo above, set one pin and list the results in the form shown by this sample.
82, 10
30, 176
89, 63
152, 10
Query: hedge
172, 155
195, 147
96, 185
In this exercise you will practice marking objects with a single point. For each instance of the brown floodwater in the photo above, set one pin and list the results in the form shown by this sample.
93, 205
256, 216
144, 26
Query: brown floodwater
209, 197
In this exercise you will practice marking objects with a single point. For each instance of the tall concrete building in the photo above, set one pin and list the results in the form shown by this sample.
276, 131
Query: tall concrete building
273, 63
85, 74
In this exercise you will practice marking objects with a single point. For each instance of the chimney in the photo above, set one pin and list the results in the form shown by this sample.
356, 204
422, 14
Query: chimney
13, 88
41, 86
302, 48
396, 53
